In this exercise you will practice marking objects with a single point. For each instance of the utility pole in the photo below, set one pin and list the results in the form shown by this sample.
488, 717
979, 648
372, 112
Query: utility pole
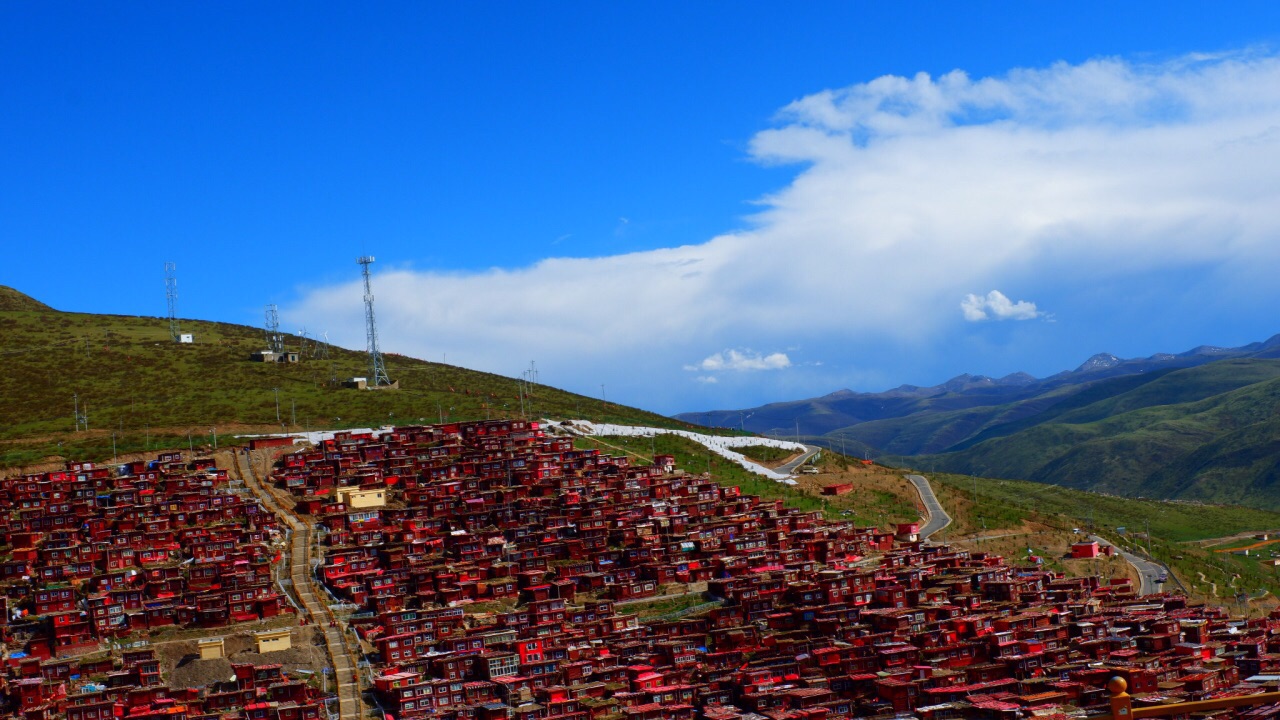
277, 394
214, 430
114, 456
293, 412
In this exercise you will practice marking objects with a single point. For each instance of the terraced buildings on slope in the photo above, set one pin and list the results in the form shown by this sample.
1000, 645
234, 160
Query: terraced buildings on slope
497, 581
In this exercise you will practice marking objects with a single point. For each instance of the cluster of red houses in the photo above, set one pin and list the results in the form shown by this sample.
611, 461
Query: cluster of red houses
94, 554
803, 618
130, 686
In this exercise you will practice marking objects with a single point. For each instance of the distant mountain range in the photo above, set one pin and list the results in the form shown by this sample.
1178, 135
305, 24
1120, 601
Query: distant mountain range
1200, 424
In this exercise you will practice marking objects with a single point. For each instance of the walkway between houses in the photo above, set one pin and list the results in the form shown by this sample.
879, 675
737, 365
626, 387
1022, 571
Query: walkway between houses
341, 654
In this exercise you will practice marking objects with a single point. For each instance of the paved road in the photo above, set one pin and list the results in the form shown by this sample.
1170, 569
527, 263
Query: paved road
938, 518
1147, 570
790, 468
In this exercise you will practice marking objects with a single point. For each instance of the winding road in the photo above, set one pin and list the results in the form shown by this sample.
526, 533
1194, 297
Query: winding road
1149, 572
938, 518
789, 468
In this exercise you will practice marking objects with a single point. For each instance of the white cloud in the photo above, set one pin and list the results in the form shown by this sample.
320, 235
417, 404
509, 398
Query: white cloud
740, 360
707, 379
997, 307
909, 193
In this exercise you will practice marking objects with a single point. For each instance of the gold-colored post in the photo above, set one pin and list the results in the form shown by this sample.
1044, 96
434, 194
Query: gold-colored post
1121, 703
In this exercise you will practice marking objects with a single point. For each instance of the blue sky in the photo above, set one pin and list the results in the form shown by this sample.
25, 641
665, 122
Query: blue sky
697, 205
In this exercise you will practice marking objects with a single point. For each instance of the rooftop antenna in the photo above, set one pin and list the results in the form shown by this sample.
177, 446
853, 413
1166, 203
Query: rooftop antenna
171, 295
377, 371
275, 341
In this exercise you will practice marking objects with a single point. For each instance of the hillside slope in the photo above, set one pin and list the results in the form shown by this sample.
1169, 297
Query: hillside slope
1197, 425
147, 390
845, 408
1219, 443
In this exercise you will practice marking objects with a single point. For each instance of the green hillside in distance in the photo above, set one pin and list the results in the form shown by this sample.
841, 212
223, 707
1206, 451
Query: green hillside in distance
1198, 425
151, 392
1209, 433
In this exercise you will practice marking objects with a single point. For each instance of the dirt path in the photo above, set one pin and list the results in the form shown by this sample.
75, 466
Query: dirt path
1254, 546
298, 559
1213, 587
692, 588
1211, 542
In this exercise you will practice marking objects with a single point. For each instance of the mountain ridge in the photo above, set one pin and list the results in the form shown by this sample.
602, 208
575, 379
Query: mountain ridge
1172, 425
1093, 368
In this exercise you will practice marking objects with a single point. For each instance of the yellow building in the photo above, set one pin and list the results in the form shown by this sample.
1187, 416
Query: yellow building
210, 648
274, 640
354, 497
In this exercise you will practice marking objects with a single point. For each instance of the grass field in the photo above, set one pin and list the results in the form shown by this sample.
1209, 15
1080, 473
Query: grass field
150, 392
882, 497
1175, 528
766, 455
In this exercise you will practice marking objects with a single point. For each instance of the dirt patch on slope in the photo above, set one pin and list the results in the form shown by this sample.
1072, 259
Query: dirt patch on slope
180, 660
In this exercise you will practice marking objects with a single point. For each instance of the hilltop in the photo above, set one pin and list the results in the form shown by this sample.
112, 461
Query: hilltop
151, 392
13, 301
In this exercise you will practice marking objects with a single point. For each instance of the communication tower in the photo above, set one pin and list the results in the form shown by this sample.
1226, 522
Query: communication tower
171, 294
377, 370
275, 341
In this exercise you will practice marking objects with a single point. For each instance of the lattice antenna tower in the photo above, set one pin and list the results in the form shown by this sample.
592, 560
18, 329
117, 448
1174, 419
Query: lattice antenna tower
377, 370
275, 341
171, 295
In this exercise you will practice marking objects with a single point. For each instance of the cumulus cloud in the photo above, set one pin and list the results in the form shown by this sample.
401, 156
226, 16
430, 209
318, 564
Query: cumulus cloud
995, 306
741, 360
908, 193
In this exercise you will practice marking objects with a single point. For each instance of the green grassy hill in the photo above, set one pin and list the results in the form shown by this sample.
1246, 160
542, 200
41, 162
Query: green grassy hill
1209, 433
1178, 529
151, 392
